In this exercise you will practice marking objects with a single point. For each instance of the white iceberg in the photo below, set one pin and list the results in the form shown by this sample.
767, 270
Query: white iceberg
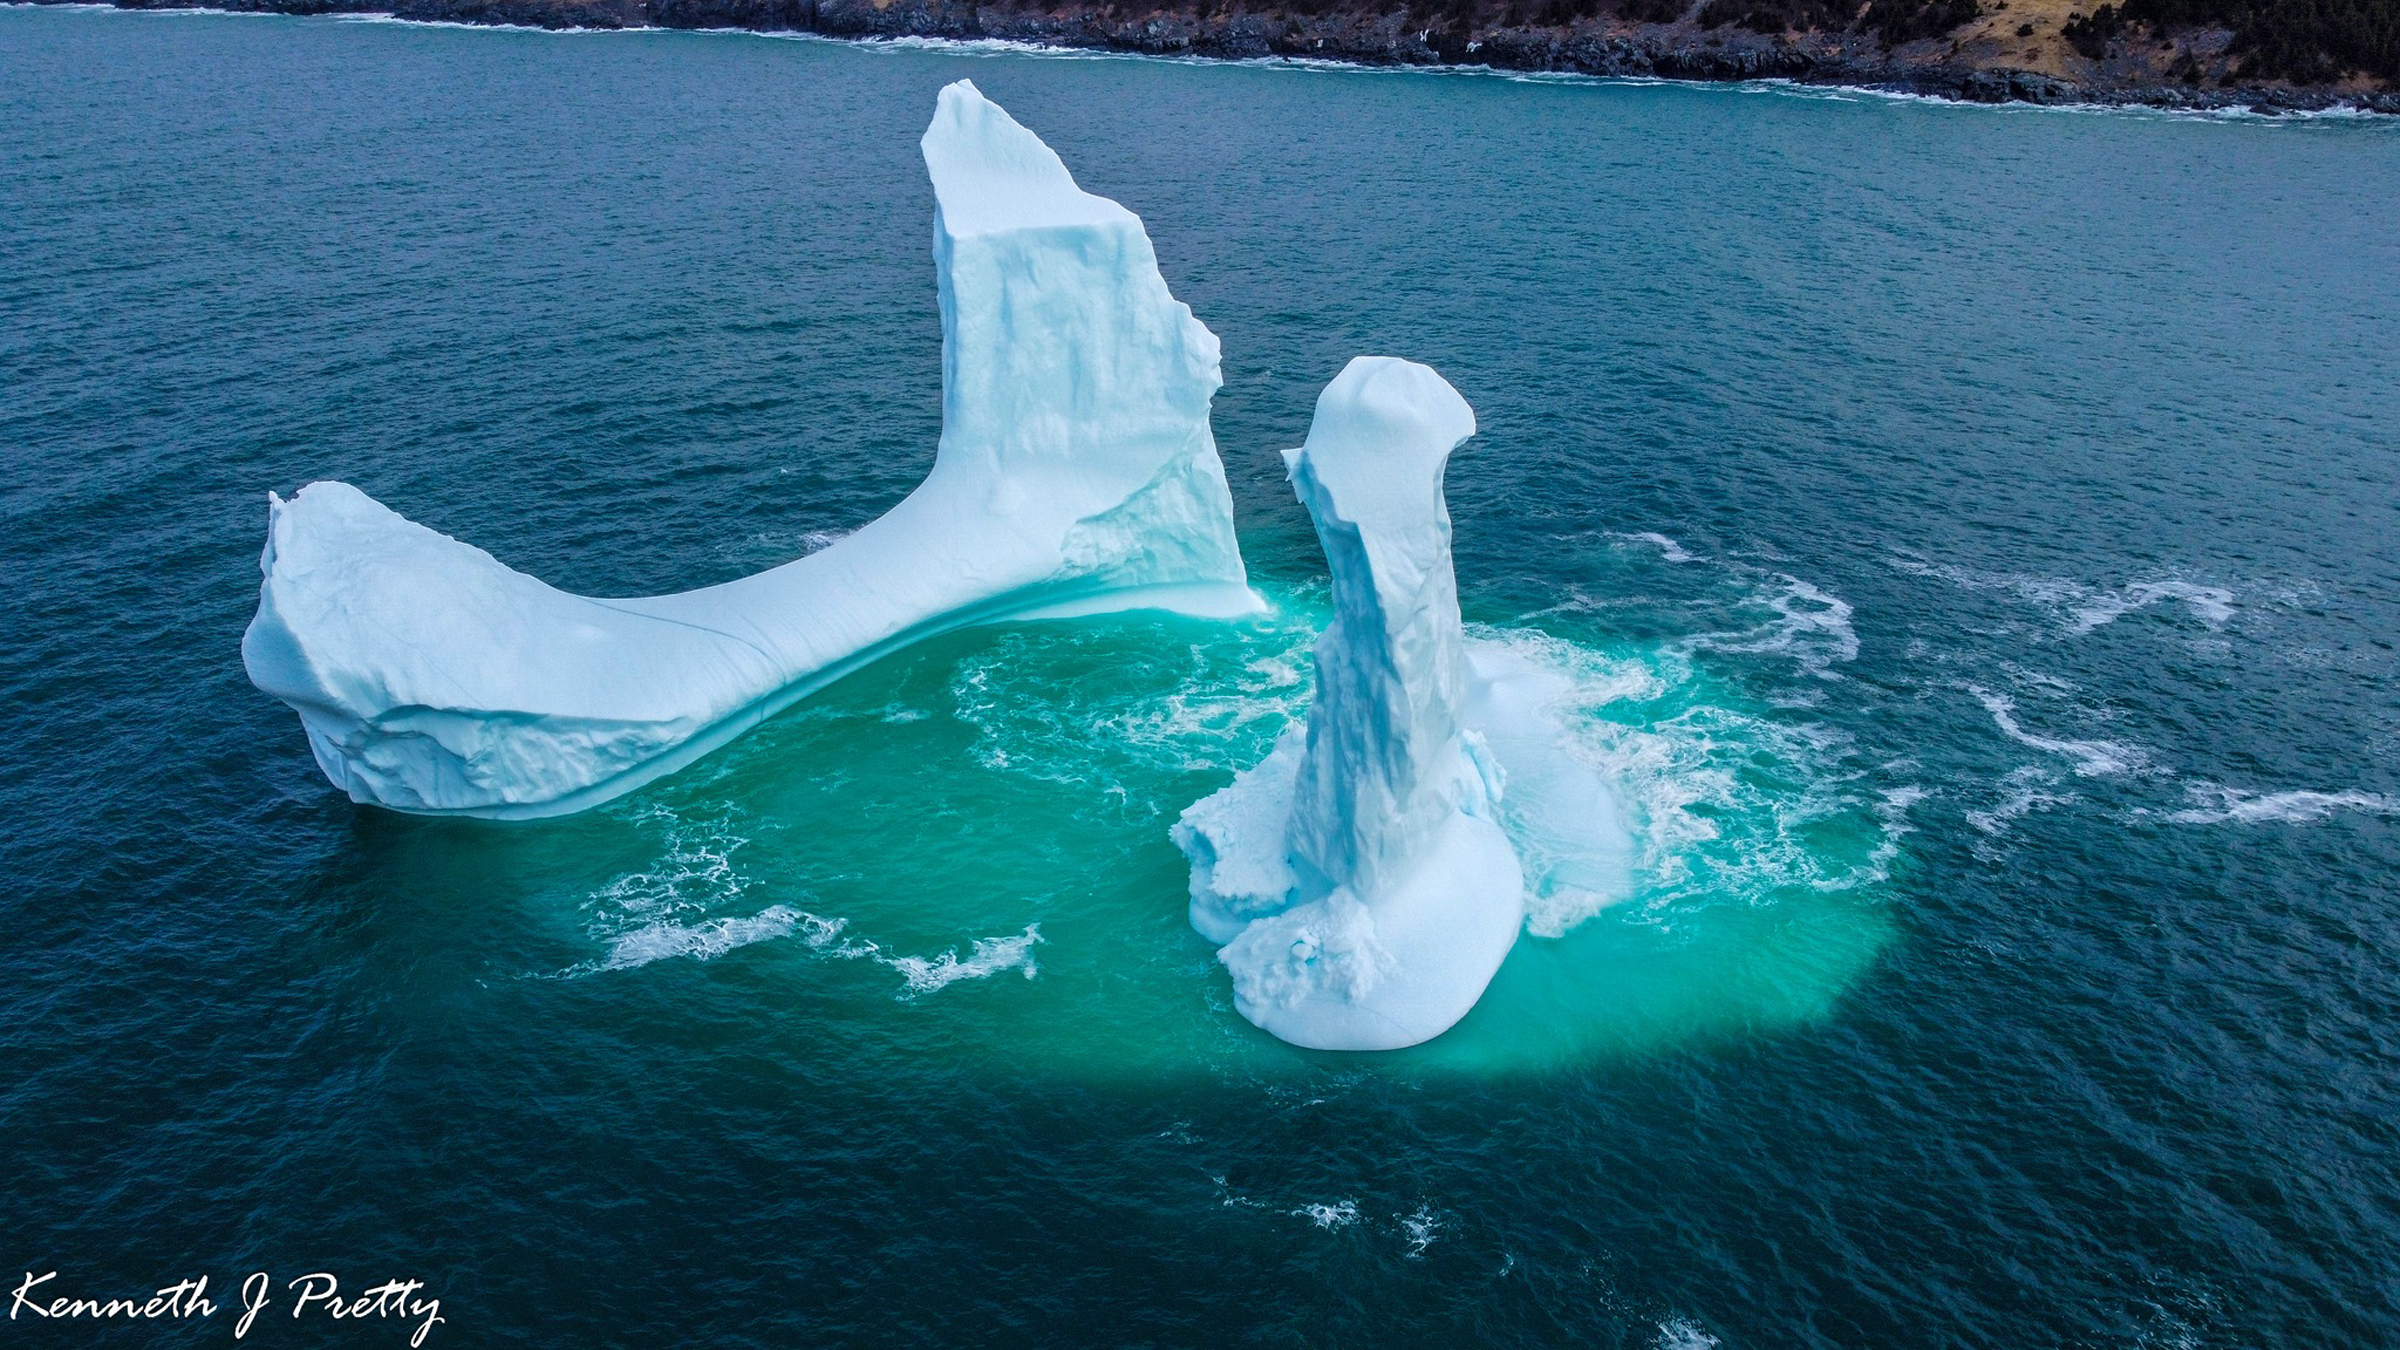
1359, 878
1076, 474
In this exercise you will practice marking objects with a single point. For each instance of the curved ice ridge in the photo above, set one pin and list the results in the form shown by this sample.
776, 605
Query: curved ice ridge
1360, 879
1076, 474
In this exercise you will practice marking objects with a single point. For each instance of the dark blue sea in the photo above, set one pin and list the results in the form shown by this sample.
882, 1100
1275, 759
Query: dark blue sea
1975, 535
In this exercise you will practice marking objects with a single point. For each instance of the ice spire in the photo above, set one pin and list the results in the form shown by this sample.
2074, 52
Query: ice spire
1359, 879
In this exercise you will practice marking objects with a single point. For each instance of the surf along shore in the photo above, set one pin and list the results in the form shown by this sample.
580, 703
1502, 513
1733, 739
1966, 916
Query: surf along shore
2197, 54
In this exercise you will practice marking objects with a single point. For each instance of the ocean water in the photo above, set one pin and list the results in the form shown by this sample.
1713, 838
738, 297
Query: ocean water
1974, 536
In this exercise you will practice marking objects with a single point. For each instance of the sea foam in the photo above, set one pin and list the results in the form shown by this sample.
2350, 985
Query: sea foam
1812, 628
2231, 805
2027, 791
989, 956
712, 938
2077, 607
2093, 759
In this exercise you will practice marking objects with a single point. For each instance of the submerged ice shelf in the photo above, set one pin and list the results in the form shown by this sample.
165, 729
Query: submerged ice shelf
1363, 879
1076, 474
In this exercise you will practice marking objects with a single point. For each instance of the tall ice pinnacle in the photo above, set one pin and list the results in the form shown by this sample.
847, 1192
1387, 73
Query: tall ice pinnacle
1076, 474
1359, 878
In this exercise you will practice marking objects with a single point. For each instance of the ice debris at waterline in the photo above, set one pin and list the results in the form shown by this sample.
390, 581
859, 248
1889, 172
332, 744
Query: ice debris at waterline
1361, 878
1076, 474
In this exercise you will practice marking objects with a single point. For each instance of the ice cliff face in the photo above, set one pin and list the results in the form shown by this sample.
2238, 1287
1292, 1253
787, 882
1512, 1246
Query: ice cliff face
1383, 768
1076, 474
1359, 877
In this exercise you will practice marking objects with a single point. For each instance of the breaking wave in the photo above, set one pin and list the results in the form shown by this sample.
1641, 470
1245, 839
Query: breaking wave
1720, 803
2027, 791
1667, 548
1420, 1229
711, 938
1714, 802
2076, 608
2211, 605
673, 909
1811, 627
1340, 1214
2093, 759
989, 956
2231, 805
1678, 1333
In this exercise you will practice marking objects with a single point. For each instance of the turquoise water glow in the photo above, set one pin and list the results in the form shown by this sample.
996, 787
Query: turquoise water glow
1971, 534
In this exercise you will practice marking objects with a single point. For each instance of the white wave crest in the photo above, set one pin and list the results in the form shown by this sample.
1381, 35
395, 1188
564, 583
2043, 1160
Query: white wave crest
2211, 605
711, 938
1420, 1229
989, 956
1340, 1214
1701, 823
2093, 759
694, 869
1892, 812
674, 908
2078, 608
1812, 628
2232, 805
2027, 793
461, 26
1667, 548
1677, 1333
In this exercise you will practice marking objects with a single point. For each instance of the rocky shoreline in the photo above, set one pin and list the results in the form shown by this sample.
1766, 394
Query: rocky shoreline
1970, 63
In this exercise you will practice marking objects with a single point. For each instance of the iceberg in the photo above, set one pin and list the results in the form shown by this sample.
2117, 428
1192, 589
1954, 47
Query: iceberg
1359, 878
1076, 474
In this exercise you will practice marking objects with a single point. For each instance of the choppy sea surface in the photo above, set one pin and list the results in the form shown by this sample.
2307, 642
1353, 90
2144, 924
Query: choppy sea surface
1974, 536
